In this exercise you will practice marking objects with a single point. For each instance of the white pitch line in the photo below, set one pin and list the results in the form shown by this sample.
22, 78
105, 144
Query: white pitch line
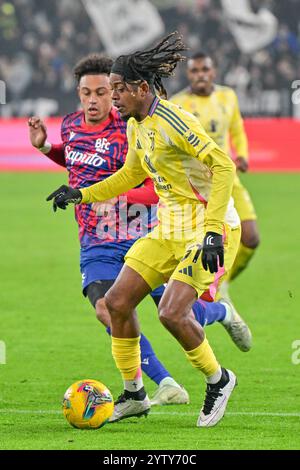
164, 413
31, 412
233, 413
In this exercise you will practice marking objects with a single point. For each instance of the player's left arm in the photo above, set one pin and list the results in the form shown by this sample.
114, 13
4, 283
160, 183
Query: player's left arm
238, 136
223, 172
198, 144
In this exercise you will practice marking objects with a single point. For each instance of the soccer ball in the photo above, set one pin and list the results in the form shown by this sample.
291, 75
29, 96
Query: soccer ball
88, 404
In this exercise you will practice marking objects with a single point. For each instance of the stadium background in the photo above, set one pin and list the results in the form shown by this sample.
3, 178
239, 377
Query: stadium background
50, 334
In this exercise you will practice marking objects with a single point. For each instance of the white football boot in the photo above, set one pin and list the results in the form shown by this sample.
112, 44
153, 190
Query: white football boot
237, 328
128, 408
216, 398
170, 392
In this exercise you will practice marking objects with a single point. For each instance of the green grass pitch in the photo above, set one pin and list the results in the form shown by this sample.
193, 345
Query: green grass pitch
53, 339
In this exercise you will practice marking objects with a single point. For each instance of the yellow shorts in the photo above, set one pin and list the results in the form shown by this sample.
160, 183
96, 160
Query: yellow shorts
158, 259
242, 201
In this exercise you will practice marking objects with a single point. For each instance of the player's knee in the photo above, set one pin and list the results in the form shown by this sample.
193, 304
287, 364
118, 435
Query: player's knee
116, 303
102, 313
250, 234
250, 240
169, 316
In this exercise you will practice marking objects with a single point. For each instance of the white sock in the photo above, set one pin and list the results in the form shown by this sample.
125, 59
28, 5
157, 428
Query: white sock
168, 381
228, 315
215, 378
133, 385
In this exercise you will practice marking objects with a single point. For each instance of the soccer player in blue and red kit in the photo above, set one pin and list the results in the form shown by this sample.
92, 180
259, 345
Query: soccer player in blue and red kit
94, 146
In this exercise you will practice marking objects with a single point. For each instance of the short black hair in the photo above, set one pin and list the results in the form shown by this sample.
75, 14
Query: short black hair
201, 55
93, 64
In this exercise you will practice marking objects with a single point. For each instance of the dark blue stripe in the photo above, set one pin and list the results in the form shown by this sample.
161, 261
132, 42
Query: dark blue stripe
195, 143
193, 140
171, 112
170, 122
204, 147
183, 130
173, 116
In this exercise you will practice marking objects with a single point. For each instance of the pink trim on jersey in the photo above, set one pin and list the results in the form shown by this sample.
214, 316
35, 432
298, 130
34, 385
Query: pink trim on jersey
209, 295
153, 106
198, 195
214, 287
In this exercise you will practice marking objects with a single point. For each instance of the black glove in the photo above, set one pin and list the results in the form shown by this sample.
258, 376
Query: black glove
63, 196
212, 252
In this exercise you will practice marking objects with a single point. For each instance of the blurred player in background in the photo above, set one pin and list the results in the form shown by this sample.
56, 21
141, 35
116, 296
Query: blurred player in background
94, 146
217, 109
192, 252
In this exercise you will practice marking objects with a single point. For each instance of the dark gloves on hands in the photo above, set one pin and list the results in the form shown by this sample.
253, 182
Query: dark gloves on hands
63, 196
212, 252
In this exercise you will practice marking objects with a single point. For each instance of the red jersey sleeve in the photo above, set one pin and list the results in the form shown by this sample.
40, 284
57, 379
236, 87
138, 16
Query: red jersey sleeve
57, 154
144, 195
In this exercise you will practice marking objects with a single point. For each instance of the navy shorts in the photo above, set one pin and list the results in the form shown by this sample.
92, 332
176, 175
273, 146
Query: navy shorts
104, 263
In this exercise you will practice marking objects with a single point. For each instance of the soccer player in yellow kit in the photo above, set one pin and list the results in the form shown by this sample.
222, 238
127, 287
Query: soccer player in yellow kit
218, 111
199, 231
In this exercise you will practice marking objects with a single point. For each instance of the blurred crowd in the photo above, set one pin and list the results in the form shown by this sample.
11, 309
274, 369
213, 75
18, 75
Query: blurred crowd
41, 40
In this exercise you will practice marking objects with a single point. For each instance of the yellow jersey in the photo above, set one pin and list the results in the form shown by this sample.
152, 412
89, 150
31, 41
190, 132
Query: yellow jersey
193, 177
220, 116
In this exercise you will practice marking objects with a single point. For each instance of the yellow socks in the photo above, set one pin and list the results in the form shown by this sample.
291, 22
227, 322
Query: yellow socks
203, 358
127, 355
242, 259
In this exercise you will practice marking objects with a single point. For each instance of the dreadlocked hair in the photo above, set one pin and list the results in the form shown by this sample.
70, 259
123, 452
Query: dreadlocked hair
158, 62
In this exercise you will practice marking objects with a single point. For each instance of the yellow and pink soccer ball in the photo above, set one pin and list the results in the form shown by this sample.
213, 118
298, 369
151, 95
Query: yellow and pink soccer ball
88, 404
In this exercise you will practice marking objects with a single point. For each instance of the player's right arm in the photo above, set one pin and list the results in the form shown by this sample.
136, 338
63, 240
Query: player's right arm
128, 177
38, 139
